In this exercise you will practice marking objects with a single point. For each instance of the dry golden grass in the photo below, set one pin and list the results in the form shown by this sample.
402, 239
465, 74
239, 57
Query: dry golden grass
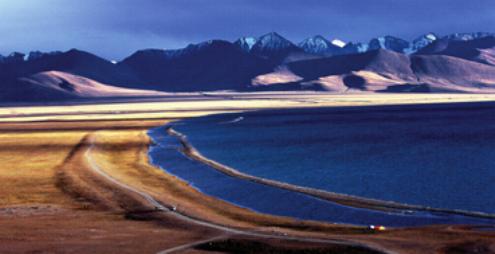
31, 152
38, 215
48, 192
28, 163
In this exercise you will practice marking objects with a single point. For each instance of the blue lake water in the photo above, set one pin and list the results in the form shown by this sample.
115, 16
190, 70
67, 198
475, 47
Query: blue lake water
436, 155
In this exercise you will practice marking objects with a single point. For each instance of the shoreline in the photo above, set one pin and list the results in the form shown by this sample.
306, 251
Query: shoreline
200, 105
50, 217
343, 199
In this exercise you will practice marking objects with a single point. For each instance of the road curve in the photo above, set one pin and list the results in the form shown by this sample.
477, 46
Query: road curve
232, 231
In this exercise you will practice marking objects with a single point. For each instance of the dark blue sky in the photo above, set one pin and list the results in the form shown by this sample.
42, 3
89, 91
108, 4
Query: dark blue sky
116, 28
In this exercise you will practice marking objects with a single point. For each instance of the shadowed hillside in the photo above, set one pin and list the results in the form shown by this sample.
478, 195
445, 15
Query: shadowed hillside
212, 65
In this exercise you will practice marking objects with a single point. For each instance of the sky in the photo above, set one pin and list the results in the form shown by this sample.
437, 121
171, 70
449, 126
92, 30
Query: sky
115, 29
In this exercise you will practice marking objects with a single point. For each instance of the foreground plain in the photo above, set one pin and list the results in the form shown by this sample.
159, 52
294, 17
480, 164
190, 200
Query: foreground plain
76, 179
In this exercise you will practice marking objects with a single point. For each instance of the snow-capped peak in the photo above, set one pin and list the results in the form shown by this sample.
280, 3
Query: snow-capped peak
389, 43
250, 41
362, 47
321, 46
338, 43
431, 36
246, 43
273, 41
317, 39
316, 44
468, 36
381, 42
421, 42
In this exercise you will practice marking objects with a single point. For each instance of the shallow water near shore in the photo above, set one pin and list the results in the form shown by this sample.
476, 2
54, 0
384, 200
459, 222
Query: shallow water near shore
433, 155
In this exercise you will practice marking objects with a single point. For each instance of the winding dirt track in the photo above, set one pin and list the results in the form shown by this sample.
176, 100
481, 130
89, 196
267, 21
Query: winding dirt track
160, 208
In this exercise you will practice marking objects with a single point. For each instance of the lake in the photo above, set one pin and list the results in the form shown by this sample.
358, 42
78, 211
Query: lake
439, 156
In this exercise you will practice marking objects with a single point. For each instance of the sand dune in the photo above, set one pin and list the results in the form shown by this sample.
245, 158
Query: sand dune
56, 85
387, 71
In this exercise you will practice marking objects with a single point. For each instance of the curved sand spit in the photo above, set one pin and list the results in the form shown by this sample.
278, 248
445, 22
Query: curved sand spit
348, 200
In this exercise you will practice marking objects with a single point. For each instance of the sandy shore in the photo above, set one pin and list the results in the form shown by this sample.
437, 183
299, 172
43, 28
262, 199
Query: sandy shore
79, 185
193, 105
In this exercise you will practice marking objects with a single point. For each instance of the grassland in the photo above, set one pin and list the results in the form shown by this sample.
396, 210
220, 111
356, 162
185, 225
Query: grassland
54, 201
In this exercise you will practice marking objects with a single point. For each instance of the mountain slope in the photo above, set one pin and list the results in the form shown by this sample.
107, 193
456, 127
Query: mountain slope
319, 45
454, 63
453, 73
372, 70
389, 43
59, 86
480, 50
73, 61
353, 48
421, 42
274, 48
467, 36
386, 71
382, 61
212, 65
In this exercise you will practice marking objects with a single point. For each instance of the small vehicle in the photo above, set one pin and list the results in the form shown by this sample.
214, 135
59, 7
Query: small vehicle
377, 227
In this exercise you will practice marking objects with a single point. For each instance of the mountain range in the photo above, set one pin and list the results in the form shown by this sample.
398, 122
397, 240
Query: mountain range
462, 62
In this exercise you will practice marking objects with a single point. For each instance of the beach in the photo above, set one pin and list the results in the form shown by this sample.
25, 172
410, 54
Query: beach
81, 175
